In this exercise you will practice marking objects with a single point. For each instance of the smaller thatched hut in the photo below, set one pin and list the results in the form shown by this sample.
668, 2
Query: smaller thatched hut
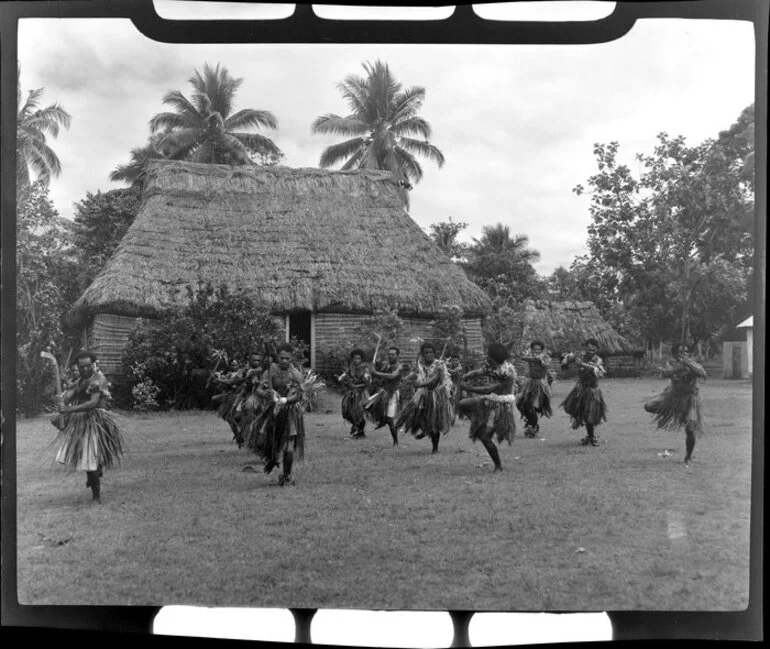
564, 325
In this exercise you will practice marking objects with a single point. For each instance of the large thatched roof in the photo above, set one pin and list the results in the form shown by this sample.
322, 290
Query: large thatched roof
293, 239
564, 325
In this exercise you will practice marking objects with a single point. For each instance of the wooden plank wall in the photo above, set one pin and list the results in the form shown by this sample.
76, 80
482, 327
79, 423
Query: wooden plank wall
107, 336
331, 329
617, 365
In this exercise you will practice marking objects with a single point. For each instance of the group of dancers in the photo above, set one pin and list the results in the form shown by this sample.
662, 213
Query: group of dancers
264, 403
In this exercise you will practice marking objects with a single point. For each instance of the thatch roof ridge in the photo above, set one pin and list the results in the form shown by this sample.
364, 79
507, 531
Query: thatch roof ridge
562, 324
293, 239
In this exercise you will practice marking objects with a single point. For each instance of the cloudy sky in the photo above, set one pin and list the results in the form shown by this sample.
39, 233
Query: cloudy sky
517, 124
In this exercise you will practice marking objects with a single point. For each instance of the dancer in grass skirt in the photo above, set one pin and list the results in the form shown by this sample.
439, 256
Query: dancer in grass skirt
454, 368
226, 401
585, 403
90, 438
535, 398
493, 412
238, 405
280, 436
679, 405
356, 381
251, 403
382, 407
429, 411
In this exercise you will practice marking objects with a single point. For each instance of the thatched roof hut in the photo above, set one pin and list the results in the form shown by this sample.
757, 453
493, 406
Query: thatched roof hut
296, 240
564, 325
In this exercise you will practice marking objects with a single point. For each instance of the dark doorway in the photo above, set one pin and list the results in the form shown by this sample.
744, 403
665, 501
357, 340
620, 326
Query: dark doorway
300, 327
737, 365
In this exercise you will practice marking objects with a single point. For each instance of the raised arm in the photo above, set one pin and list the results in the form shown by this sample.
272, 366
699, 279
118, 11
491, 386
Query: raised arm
474, 373
668, 370
696, 368
388, 375
595, 364
433, 381
93, 402
489, 388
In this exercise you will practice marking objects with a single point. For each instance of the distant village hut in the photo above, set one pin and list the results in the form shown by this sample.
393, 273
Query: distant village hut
737, 355
564, 325
320, 249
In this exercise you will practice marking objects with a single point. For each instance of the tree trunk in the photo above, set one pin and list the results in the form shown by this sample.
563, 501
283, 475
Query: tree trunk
31, 306
686, 296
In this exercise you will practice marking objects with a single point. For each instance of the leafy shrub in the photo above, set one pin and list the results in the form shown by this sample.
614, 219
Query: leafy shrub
144, 392
177, 353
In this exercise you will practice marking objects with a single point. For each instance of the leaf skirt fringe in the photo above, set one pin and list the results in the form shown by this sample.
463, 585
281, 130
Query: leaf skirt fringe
427, 412
270, 433
353, 405
229, 403
88, 440
377, 406
585, 405
497, 411
535, 396
674, 409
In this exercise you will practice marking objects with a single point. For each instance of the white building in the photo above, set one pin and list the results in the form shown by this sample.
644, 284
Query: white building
748, 325
737, 361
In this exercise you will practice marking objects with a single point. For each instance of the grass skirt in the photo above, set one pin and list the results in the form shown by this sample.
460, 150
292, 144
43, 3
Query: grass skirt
229, 406
535, 396
271, 433
497, 411
427, 412
376, 407
353, 405
457, 395
88, 440
585, 405
251, 407
675, 409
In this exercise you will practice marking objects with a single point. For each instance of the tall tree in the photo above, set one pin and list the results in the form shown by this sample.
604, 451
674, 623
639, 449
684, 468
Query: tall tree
666, 243
33, 124
45, 288
445, 235
499, 259
101, 220
383, 127
205, 128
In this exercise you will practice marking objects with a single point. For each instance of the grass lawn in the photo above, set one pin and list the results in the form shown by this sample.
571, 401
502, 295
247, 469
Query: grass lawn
564, 527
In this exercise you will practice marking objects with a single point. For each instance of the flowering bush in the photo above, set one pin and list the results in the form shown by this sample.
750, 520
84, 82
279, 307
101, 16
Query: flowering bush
179, 352
144, 393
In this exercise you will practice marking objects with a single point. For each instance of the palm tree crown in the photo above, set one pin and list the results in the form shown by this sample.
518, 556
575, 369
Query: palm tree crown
497, 239
383, 127
134, 171
497, 254
32, 125
205, 129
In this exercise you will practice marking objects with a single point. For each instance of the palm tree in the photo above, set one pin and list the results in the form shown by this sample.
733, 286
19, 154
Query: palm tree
381, 127
205, 129
445, 235
496, 239
498, 258
32, 125
133, 172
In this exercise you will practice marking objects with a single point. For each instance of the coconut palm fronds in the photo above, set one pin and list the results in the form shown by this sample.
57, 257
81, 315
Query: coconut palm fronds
312, 386
219, 356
